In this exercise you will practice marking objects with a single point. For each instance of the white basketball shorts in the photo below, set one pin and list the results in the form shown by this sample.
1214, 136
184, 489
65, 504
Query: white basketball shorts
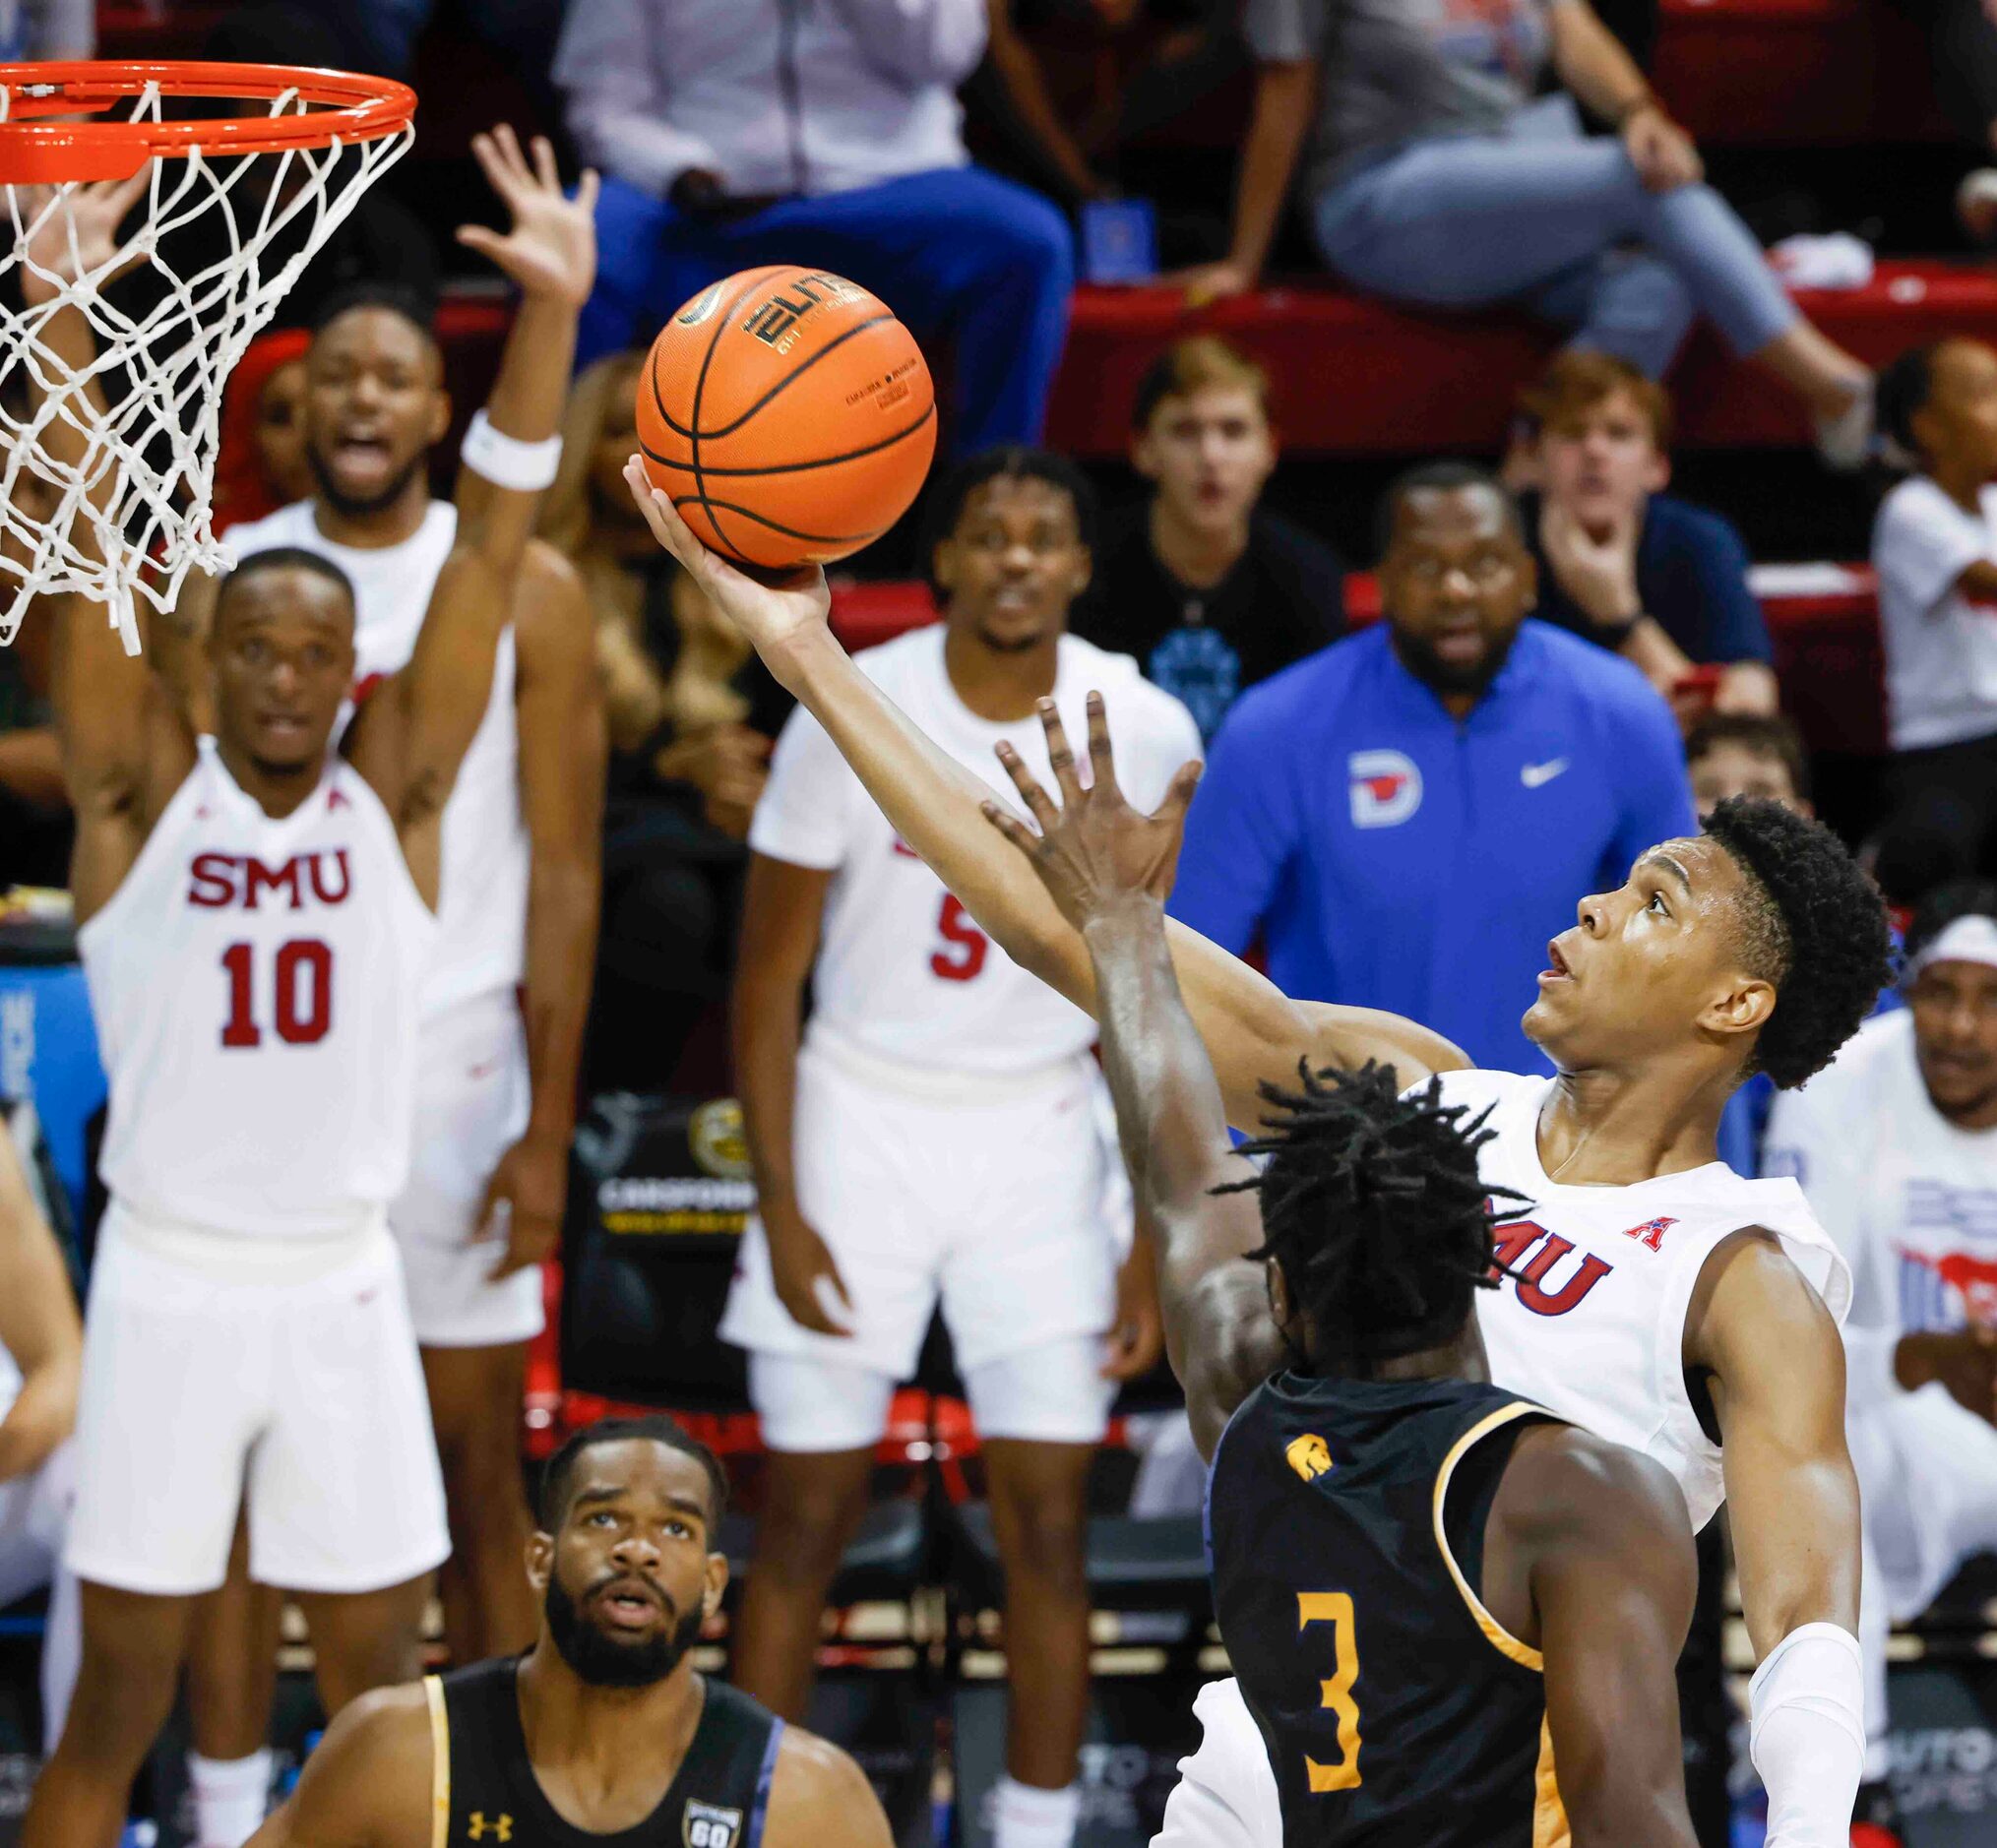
1005, 1199
471, 1105
275, 1375
1226, 1796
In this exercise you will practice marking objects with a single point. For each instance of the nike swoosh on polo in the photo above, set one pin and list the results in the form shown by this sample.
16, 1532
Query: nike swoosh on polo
1534, 774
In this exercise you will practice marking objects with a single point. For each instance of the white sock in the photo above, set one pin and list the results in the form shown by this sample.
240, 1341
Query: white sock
229, 1795
1023, 1816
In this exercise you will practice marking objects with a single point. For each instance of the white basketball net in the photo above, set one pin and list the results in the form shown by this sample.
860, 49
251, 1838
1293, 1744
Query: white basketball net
151, 460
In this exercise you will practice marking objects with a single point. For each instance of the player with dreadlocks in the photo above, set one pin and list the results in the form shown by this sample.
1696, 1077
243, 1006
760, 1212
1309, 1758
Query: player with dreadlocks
1653, 1296
1507, 1584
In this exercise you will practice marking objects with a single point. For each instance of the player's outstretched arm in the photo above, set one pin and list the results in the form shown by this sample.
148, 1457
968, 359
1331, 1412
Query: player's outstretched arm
411, 736
367, 1783
819, 1798
1252, 1033
1107, 868
1778, 1366
38, 1324
1601, 1538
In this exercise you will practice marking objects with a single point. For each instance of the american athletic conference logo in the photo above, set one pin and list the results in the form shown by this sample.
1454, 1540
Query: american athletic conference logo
1385, 788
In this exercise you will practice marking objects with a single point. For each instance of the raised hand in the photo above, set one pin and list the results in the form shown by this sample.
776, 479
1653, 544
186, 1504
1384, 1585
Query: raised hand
76, 236
551, 249
771, 614
1094, 852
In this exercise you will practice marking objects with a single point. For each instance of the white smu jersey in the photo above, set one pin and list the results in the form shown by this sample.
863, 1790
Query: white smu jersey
902, 972
256, 982
482, 893
1594, 1327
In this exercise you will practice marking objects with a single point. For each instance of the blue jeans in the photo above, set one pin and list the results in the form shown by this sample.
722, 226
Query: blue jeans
968, 260
1547, 224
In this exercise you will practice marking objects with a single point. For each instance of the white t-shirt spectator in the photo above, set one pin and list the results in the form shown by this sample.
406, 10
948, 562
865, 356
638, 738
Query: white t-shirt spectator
902, 972
1941, 647
1911, 1200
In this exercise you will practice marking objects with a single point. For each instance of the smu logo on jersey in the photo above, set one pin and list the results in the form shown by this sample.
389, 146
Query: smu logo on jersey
1532, 1276
219, 879
1385, 788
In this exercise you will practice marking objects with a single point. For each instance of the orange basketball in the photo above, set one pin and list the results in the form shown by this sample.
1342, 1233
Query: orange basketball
789, 415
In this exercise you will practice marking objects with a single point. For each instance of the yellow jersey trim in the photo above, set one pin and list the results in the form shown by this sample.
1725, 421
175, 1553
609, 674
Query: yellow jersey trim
1495, 1633
1549, 1814
440, 1762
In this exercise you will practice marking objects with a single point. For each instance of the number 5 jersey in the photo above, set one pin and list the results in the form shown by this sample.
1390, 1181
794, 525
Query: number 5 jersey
256, 983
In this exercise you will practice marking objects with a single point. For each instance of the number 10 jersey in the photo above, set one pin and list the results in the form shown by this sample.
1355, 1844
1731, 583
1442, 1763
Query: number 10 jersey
256, 981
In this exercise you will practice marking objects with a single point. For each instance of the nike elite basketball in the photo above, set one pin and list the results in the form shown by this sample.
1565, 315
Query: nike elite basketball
788, 414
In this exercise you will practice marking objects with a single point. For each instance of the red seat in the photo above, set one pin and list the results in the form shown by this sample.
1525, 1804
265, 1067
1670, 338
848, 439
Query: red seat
1354, 376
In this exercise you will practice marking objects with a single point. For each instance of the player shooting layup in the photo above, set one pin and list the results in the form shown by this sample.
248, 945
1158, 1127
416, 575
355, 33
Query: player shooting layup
256, 916
1658, 1300
1499, 1596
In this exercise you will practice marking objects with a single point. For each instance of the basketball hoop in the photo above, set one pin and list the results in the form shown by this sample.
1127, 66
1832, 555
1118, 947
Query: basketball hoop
274, 179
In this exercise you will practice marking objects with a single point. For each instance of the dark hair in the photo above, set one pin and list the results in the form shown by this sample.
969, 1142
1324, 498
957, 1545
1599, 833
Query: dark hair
653, 1428
1959, 898
285, 558
1014, 462
1438, 477
1901, 392
1761, 734
1191, 365
1813, 925
396, 298
1373, 1207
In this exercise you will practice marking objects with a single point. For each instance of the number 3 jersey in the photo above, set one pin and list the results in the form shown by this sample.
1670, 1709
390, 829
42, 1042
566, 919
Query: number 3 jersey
902, 972
256, 983
1345, 1527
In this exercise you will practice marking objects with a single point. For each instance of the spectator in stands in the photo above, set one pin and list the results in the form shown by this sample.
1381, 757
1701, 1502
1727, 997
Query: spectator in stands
1895, 1144
692, 714
1208, 590
1747, 754
1934, 547
280, 434
1436, 179
1407, 817
740, 131
41, 1344
43, 30
1169, 55
1659, 581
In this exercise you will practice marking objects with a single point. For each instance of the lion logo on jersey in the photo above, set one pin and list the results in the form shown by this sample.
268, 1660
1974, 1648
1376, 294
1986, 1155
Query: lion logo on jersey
1309, 1455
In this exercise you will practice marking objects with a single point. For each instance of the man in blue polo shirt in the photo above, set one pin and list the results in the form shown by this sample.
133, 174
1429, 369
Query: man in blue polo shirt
1407, 817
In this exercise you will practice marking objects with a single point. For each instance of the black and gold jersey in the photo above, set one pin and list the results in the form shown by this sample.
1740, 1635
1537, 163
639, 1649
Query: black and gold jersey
485, 1794
1346, 1529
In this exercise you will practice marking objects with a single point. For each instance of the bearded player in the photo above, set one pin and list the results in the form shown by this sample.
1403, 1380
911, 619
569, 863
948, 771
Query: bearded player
1656, 1299
256, 912
601, 1729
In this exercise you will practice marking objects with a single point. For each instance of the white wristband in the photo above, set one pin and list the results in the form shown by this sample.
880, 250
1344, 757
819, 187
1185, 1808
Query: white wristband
507, 463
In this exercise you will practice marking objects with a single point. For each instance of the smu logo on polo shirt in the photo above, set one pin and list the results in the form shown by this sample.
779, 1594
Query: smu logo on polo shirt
1385, 788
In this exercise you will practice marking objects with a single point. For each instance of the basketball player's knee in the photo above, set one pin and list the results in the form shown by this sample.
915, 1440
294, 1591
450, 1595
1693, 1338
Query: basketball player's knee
1043, 1539
123, 1696
803, 1533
